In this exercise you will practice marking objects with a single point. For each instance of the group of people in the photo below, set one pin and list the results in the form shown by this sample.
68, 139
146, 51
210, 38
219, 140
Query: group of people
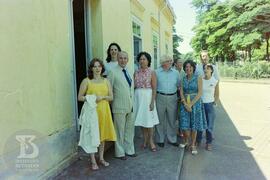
146, 98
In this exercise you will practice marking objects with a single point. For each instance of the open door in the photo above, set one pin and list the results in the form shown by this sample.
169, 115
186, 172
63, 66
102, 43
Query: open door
79, 43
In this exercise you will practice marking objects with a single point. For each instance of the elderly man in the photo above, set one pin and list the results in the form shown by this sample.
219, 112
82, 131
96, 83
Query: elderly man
178, 65
168, 81
122, 105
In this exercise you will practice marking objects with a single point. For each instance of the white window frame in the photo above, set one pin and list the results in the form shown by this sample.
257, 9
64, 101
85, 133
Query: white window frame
158, 55
139, 23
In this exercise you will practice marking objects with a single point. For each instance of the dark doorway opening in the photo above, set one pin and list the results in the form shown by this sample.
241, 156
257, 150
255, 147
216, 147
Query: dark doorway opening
79, 43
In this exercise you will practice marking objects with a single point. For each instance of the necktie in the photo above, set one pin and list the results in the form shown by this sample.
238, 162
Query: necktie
127, 78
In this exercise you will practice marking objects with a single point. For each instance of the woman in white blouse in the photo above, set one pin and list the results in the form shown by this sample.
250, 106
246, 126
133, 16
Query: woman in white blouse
209, 97
111, 60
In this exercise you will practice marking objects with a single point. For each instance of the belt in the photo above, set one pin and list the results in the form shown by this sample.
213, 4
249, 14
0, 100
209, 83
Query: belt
190, 94
165, 94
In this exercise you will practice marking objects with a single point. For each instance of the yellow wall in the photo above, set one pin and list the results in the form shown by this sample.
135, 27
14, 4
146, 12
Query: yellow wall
154, 18
112, 22
36, 72
116, 25
36, 62
96, 29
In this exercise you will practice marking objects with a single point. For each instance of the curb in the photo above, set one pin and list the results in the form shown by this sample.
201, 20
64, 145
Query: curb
247, 81
179, 168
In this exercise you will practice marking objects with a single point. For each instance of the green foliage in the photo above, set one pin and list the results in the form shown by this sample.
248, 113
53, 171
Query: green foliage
176, 41
256, 70
242, 40
227, 27
259, 54
203, 6
187, 56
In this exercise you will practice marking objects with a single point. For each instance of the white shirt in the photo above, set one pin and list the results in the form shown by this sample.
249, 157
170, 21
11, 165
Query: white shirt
199, 71
109, 66
208, 90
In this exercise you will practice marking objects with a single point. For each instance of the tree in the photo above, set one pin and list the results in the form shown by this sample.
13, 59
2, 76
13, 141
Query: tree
203, 6
176, 42
228, 27
251, 25
188, 56
211, 33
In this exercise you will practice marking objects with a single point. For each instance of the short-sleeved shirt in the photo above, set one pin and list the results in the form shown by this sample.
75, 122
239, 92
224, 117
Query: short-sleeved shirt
208, 90
200, 71
167, 81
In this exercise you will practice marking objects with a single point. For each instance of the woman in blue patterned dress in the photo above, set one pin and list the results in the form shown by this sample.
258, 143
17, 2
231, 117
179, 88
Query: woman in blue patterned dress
191, 109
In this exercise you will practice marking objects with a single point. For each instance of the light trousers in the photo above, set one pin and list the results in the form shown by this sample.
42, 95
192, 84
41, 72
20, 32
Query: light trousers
124, 129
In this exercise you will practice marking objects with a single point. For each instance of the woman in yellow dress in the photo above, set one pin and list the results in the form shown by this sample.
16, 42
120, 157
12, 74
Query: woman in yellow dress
95, 84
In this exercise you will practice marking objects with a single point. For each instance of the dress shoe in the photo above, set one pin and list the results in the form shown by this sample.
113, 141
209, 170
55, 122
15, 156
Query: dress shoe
183, 145
174, 144
122, 158
194, 150
132, 155
160, 144
208, 147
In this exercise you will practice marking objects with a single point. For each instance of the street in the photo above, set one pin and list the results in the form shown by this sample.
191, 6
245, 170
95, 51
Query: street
241, 148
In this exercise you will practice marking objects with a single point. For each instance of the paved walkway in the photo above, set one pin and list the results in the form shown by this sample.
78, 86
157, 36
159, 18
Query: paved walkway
241, 149
163, 164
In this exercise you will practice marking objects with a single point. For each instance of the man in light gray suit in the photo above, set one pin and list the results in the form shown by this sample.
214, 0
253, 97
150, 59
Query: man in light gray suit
123, 86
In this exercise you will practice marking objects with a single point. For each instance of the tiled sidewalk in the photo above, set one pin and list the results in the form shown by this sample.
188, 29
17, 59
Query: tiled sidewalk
163, 164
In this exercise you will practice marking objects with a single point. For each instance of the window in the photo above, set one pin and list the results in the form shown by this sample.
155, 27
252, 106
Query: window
136, 29
137, 41
155, 49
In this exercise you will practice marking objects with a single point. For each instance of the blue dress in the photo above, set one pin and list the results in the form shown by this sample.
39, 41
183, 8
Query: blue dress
194, 120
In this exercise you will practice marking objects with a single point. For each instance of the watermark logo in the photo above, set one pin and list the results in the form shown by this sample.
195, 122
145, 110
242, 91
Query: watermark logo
25, 142
26, 153
28, 159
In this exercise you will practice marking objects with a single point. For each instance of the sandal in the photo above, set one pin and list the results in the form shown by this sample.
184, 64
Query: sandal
94, 166
104, 163
143, 146
208, 147
153, 149
194, 150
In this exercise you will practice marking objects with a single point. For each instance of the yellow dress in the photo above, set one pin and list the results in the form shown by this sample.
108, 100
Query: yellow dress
106, 127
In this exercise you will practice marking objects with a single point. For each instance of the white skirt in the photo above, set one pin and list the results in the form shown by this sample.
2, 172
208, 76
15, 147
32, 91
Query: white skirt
143, 116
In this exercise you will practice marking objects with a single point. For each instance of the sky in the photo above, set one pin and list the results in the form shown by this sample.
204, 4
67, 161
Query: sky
185, 20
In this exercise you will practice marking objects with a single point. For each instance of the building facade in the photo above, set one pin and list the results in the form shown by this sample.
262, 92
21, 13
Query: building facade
135, 25
45, 48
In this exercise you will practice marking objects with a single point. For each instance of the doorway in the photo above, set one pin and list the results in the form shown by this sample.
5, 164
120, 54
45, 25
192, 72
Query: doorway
79, 43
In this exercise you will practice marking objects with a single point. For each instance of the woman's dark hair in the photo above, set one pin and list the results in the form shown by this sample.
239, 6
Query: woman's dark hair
109, 57
211, 67
192, 63
147, 55
92, 64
